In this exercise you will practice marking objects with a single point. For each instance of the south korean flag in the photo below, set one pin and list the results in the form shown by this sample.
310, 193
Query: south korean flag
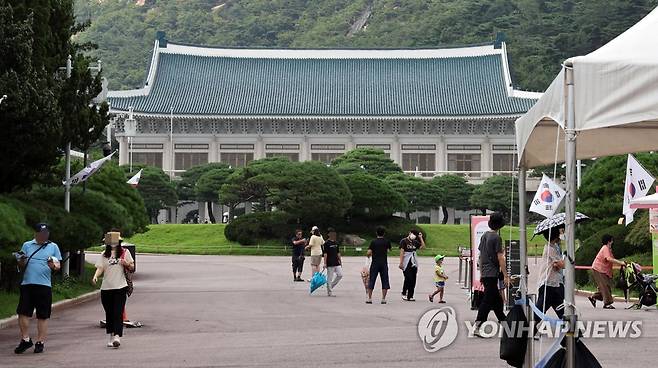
638, 183
548, 197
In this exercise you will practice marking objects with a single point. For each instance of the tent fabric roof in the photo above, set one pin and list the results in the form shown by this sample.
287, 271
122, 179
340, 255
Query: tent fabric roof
616, 101
204, 81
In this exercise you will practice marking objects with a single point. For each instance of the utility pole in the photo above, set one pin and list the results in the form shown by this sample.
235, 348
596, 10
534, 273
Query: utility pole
67, 184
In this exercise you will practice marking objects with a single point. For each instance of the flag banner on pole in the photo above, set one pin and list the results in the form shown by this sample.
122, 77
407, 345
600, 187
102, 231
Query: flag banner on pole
134, 181
548, 197
638, 183
88, 171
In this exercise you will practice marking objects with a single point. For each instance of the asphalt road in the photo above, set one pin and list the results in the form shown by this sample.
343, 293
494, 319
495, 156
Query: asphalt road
230, 311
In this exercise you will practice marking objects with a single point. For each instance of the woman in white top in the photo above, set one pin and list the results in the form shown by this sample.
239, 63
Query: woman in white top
315, 245
111, 264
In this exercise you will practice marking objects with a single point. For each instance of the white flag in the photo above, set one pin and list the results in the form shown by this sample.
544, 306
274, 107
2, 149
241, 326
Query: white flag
638, 183
88, 171
548, 197
134, 181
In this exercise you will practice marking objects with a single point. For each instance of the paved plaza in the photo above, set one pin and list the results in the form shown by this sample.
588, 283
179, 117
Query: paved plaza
231, 311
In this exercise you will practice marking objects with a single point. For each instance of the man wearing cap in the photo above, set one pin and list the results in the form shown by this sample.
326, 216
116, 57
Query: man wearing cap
38, 258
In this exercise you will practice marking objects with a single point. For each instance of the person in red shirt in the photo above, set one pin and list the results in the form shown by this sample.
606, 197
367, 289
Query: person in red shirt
602, 273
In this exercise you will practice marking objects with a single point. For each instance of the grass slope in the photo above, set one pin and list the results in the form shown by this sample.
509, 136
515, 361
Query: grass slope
210, 239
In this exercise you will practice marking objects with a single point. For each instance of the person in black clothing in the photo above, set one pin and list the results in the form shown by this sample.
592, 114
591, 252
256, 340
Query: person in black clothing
408, 262
298, 245
378, 253
492, 268
332, 261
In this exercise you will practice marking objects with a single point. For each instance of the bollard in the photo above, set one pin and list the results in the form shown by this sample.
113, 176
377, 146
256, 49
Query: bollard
467, 276
461, 261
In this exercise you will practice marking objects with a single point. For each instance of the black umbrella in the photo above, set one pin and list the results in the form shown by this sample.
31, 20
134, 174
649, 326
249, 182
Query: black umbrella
557, 221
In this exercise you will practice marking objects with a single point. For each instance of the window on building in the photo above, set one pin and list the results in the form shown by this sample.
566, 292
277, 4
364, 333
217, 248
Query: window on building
325, 158
187, 160
237, 159
504, 161
422, 161
148, 158
464, 162
294, 157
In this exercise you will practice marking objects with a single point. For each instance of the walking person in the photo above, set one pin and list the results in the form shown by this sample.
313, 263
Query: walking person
551, 276
602, 273
492, 268
332, 261
409, 263
315, 245
113, 264
378, 253
37, 260
439, 279
298, 245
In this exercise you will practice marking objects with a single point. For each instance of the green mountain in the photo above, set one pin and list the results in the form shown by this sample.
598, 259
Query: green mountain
540, 34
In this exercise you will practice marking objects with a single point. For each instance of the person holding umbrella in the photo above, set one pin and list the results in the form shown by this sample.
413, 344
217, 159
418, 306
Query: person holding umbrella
551, 276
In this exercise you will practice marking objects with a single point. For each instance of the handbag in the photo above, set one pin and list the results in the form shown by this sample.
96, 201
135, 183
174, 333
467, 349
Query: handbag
128, 275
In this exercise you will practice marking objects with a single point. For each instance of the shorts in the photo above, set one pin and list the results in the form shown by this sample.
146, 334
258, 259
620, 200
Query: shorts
439, 283
380, 268
316, 260
39, 297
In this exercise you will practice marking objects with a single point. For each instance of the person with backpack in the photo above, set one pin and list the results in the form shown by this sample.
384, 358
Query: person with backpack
113, 264
37, 259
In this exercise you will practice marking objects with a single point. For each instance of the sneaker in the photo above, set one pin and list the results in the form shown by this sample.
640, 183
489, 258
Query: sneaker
38, 347
116, 341
23, 345
592, 300
383, 301
411, 299
431, 298
442, 301
608, 306
368, 301
404, 297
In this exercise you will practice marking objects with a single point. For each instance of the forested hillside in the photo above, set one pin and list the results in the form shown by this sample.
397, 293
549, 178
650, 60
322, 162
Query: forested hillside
540, 33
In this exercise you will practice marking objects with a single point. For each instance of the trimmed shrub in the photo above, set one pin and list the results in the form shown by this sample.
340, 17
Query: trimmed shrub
254, 227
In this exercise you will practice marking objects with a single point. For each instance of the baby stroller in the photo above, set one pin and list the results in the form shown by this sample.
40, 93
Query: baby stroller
644, 283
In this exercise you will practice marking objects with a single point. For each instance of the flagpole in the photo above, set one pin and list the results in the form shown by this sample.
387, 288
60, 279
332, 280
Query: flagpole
171, 140
570, 216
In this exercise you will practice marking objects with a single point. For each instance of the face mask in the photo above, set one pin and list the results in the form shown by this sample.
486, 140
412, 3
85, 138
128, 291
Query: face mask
562, 237
114, 245
412, 236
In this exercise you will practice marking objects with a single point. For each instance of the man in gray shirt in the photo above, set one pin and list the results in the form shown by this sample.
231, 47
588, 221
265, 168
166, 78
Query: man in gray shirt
492, 266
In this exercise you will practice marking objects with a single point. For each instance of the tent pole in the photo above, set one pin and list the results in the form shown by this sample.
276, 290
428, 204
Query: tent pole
570, 209
523, 257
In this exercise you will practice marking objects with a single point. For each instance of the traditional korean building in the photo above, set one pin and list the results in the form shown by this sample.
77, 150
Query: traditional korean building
431, 110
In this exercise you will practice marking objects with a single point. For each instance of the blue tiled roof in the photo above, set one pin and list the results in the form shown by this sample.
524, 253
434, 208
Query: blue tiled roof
248, 86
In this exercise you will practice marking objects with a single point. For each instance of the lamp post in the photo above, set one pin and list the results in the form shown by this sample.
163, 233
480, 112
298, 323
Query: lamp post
67, 184
130, 130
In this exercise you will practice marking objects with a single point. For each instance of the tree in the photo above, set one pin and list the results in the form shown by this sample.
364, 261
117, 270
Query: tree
208, 187
456, 193
156, 190
498, 193
370, 160
372, 197
44, 109
29, 116
189, 179
418, 194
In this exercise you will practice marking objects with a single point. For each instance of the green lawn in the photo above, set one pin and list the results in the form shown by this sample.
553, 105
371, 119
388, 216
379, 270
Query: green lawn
210, 239
67, 289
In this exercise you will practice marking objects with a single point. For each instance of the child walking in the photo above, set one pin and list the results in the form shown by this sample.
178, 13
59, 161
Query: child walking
439, 279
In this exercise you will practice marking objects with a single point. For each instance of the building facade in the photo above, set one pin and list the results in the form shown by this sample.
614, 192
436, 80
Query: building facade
432, 111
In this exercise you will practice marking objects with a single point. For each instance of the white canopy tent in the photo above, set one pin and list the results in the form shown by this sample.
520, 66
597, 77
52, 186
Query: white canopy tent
601, 104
